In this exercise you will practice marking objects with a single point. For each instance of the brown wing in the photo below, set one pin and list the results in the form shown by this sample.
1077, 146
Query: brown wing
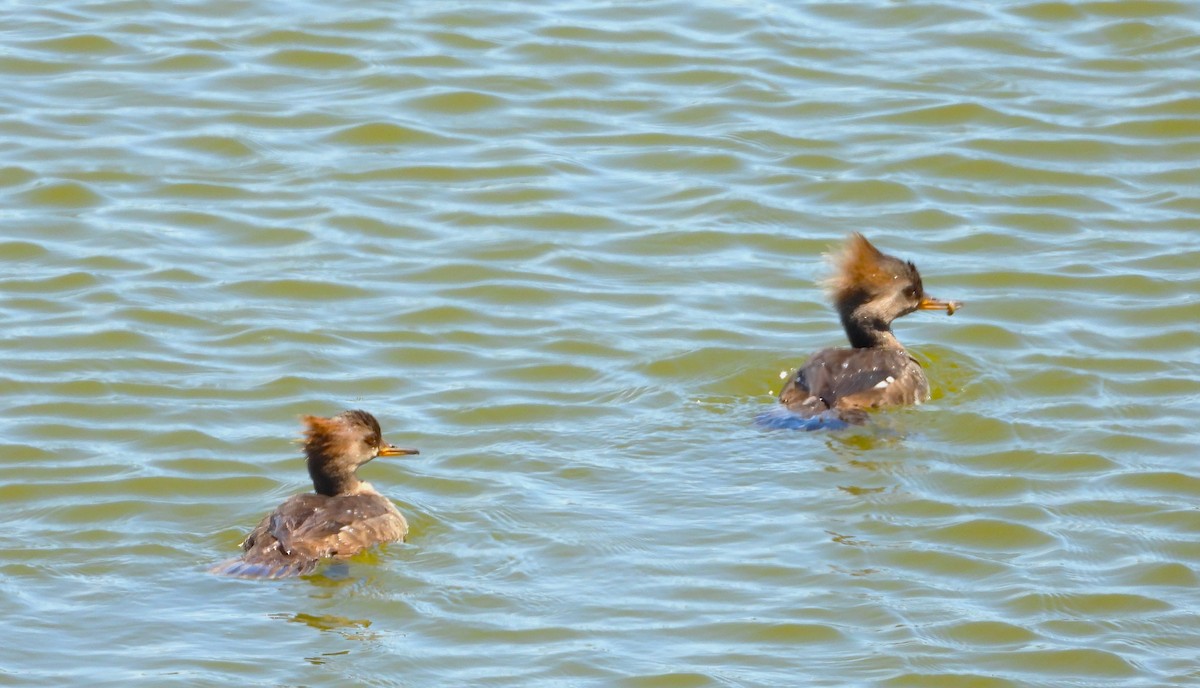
292, 540
344, 526
854, 378
904, 384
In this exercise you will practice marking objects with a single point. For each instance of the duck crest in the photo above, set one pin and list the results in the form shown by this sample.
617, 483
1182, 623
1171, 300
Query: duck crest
325, 438
859, 268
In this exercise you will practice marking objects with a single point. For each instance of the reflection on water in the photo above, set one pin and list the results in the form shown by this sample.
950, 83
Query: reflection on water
350, 629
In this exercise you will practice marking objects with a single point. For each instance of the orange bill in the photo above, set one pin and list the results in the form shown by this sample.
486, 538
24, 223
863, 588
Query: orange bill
392, 450
928, 303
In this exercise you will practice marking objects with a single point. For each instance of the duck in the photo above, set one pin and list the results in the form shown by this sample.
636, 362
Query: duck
870, 290
340, 518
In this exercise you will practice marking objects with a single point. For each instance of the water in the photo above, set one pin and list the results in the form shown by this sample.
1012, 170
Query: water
567, 249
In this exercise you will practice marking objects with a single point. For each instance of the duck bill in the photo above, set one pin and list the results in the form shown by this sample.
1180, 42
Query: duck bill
928, 303
390, 450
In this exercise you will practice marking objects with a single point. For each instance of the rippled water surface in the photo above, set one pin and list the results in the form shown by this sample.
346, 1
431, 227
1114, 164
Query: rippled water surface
567, 250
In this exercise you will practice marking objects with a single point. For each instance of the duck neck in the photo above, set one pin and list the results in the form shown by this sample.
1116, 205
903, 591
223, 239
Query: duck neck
329, 478
867, 332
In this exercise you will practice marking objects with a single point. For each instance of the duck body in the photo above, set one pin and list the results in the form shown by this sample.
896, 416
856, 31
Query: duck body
852, 379
307, 528
341, 518
870, 290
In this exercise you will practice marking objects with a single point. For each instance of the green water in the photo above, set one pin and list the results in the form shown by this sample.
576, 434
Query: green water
567, 250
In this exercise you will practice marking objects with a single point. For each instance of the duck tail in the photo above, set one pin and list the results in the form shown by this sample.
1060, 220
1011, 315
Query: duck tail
783, 418
264, 568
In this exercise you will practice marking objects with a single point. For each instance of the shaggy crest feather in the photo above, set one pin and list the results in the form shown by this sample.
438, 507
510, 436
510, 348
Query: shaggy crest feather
860, 268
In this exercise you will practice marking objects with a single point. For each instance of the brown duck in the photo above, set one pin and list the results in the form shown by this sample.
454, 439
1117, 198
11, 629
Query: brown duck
343, 517
870, 289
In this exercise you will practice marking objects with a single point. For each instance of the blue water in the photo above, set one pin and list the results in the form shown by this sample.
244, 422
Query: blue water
568, 250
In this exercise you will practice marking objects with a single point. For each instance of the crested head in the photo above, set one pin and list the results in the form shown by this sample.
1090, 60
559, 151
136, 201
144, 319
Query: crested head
352, 436
337, 446
861, 270
870, 289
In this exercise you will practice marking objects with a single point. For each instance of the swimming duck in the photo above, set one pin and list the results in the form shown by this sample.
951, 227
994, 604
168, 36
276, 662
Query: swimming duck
340, 518
869, 289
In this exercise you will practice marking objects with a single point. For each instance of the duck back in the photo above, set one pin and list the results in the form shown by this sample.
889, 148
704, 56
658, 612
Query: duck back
849, 380
292, 539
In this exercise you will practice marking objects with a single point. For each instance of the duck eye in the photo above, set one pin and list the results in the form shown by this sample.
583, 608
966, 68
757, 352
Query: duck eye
910, 292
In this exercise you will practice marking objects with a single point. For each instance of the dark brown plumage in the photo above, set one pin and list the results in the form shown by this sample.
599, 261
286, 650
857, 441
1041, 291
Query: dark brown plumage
870, 289
341, 518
